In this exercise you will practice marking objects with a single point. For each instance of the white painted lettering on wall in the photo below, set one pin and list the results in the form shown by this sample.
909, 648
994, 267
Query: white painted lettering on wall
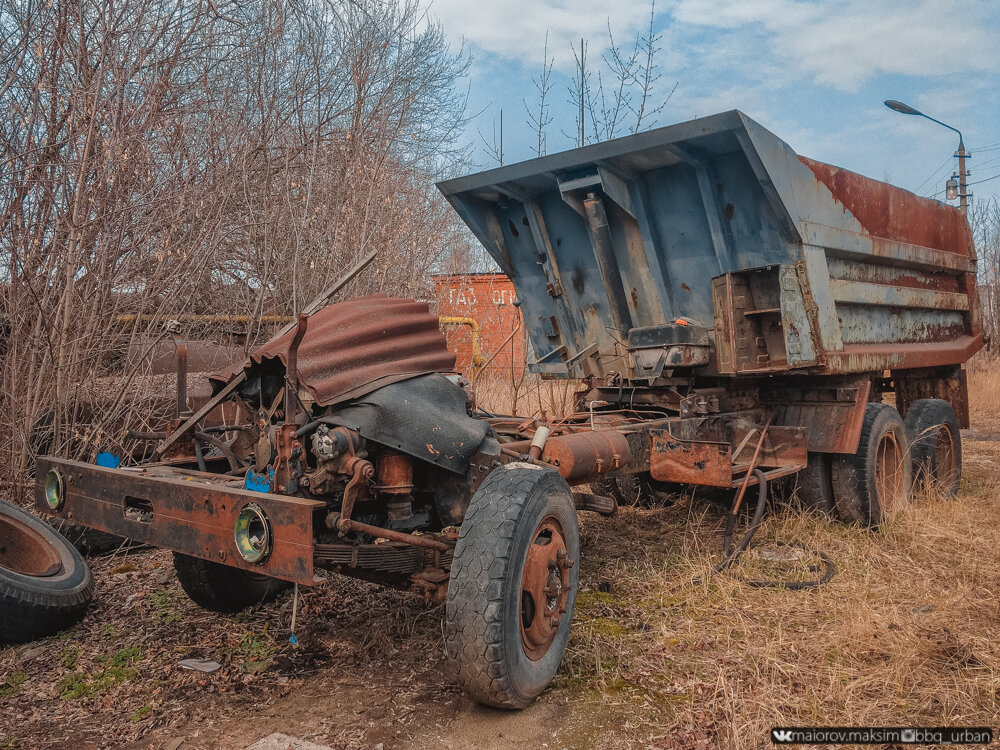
462, 296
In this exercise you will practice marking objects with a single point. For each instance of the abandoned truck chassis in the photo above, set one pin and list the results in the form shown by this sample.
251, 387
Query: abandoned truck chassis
754, 340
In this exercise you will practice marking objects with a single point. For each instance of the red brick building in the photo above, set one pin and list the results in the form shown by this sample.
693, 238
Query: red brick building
487, 299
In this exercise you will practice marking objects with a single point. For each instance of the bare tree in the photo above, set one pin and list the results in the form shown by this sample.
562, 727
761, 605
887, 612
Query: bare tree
212, 157
539, 116
621, 94
984, 220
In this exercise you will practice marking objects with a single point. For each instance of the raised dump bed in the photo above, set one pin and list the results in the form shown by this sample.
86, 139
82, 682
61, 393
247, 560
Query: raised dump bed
778, 262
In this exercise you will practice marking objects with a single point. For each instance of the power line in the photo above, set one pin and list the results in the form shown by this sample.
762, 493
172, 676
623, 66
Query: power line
978, 182
934, 174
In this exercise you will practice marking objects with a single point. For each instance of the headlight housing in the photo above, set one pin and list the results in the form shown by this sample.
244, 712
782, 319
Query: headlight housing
252, 533
55, 489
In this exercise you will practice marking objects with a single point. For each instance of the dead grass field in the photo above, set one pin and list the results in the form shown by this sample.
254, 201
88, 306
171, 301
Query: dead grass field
666, 657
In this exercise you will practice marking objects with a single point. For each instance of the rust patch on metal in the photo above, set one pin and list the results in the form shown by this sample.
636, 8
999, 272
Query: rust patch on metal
782, 447
690, 462
877, 357
831, 413
895, 214
352, 348
23, 550
395, 473
178, 511
948, 384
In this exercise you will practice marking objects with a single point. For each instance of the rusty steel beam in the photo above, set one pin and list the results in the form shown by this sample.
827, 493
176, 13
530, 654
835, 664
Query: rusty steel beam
877, 357
181, 513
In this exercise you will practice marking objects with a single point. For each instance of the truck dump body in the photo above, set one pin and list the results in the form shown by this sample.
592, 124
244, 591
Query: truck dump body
786, 263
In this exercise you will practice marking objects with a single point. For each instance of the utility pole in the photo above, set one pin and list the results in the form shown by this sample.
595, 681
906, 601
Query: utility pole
963, 193
582, 83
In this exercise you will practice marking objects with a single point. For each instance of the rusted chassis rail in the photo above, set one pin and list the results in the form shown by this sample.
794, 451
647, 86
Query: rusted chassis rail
194, 513
714, 451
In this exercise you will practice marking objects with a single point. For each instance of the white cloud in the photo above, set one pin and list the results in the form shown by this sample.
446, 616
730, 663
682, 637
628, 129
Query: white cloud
843, 43
515, 30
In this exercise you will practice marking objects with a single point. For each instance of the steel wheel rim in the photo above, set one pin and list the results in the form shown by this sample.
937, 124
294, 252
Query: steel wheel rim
889, 478
544, 588
25, 551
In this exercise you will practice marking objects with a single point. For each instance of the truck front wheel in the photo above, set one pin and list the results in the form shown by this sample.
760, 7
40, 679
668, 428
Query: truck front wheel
513, 585
221, 588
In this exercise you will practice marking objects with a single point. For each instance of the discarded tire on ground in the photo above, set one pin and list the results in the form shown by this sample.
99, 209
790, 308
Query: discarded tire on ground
221, 588
873, 484
45, 585
935, 445
513, 585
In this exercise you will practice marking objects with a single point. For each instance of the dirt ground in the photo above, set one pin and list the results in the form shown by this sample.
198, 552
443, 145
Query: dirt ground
662, 655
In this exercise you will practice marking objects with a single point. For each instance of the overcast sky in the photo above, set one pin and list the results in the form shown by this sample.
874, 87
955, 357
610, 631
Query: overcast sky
815, 73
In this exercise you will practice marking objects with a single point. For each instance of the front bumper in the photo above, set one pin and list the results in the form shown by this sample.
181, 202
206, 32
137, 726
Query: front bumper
190, 513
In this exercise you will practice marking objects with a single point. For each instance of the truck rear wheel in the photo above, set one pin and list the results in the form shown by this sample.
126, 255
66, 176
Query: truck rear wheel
513, 585
935, 444
221, 588
871, 486
45, 585
633, 489
814, 488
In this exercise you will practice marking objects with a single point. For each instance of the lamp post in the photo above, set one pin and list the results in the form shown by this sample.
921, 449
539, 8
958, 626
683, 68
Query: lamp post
962, 194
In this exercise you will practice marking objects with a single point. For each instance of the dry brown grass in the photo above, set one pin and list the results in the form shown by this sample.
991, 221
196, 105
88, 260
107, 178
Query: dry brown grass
984, 393
903, 634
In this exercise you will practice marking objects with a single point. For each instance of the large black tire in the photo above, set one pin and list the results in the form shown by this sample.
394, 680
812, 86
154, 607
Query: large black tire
935, 445
45, 585
504, 648
634, 489
814, 486
873, 484
221, 588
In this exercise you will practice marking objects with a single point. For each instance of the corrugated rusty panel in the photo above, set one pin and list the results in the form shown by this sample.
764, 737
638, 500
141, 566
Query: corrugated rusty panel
893, 213
351, 348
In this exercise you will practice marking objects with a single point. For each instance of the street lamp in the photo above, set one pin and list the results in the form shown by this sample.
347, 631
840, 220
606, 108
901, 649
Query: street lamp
963, 196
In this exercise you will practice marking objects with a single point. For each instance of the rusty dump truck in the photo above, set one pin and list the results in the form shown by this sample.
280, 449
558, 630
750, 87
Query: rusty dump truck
734, 314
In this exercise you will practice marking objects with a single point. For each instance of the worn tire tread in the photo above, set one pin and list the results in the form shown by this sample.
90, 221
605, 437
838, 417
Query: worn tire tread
474, 620
850, 474
221, 588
